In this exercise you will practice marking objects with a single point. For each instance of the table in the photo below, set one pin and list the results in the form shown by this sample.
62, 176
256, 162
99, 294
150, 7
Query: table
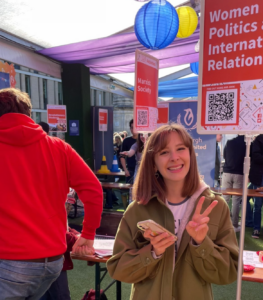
116, 185
255, 276
236, 192
98, 270
122, 173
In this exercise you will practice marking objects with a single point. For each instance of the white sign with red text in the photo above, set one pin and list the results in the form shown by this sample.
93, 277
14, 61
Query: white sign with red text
103, 119
230, 92
145, 92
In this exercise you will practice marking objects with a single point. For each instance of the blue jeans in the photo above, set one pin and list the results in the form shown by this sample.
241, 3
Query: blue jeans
257, 209
27, 280
59, 289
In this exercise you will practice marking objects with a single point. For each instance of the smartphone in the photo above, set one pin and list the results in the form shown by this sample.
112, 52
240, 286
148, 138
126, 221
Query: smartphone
154, 227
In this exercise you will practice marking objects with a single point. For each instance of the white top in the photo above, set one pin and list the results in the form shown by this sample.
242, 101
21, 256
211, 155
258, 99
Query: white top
178, 211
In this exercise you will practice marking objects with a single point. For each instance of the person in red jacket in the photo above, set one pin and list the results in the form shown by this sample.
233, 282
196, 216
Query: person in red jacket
36, 171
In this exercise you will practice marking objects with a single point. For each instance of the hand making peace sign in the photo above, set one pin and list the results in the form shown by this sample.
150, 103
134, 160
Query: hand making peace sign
197, 228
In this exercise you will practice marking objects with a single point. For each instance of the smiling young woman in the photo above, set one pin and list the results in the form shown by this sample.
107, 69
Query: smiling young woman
168, 190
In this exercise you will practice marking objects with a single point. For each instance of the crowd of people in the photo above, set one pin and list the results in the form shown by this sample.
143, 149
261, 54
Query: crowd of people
37, 172
234, 153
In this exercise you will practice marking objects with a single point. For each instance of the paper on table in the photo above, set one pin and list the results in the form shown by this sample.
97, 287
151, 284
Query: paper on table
103, 247
104, 253
251, 258
103, 244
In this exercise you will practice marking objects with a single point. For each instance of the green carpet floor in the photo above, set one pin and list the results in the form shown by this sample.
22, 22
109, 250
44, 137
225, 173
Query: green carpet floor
82, 277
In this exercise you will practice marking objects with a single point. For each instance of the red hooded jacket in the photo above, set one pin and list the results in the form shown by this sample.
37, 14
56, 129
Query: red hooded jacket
36, 172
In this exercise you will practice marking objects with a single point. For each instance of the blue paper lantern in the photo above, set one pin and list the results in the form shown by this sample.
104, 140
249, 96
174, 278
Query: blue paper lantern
195, 67
156, 24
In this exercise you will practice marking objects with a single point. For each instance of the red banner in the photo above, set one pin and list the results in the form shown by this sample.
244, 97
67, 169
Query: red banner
145, 92
231, 67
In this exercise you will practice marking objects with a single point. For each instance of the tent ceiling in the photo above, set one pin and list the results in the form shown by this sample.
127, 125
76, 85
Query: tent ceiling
115, 54
58, 22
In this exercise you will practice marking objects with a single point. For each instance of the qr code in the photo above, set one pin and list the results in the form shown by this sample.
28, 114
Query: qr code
142, 117
221, 106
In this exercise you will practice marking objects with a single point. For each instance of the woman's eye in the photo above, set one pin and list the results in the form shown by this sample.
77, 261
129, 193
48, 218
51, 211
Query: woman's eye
163, 152
182, 148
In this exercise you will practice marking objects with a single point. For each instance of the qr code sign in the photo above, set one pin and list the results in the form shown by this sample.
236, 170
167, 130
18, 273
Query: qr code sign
221, 107
142, 117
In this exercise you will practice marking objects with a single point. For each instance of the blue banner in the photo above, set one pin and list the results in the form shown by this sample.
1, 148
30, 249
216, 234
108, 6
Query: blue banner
4, 80
74, 127
185, 113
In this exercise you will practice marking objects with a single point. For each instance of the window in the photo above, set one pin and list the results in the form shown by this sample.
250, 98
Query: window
95, 97
38, 117
100, 100
28, 87
60, 95
45, 93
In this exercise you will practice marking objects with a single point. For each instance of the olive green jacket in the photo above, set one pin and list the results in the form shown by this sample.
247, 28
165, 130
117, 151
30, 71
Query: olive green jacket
190, 274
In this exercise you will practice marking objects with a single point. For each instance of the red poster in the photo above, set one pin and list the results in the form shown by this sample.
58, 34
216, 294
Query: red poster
145, 92
57, 117
231, 60
103, 119
163, 114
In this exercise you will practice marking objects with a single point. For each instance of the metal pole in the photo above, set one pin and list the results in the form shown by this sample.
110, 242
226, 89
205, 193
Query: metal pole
102, 143
248, 139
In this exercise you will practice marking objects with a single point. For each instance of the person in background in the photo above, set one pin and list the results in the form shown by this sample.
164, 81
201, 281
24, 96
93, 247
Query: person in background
256, 178
35, 175
234, 154
44, 126
206, 250
125, 133
136, 149
129, 163
218, 161
117, 148
122, 135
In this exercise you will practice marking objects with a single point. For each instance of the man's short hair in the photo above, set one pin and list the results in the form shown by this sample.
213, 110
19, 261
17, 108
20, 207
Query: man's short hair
130, 123
44, 126
14, 101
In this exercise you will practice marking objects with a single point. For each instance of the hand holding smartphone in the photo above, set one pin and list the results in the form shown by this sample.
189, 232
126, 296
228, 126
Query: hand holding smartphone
155, 228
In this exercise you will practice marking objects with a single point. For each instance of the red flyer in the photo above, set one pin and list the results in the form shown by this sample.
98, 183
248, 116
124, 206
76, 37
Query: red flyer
57, 118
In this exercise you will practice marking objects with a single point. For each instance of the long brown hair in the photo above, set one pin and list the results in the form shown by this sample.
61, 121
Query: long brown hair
146, 184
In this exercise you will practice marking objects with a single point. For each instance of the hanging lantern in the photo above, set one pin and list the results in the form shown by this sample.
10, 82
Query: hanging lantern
195, 67
156, 24
188, 21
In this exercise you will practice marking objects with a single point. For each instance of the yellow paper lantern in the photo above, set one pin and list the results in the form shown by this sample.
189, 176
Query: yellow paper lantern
188, 21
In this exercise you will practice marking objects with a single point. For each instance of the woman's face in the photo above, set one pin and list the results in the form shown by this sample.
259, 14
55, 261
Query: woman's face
117, 140
143, 137
173, 162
